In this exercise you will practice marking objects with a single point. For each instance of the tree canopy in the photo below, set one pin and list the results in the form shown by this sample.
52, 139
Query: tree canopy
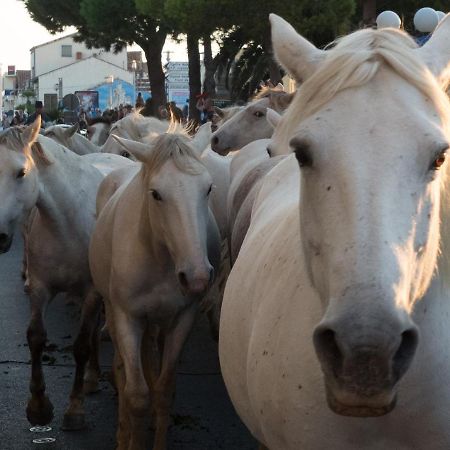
111, 24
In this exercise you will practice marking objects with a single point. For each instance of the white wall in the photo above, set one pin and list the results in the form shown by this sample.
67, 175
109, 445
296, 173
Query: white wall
84, 75
48, 56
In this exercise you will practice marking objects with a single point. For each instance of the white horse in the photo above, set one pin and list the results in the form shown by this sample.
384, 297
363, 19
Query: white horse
37, 172
332, 314
250, 123
98, 130
152, 256
68, 136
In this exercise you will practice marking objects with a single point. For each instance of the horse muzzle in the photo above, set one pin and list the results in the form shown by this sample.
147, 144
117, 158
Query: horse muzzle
358, 405
196, 284
361, 369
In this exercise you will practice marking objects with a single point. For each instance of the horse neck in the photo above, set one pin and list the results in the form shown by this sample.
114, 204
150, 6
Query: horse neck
434, 308
85, 146
59, 182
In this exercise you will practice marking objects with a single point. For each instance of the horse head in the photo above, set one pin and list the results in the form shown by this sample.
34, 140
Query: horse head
177, 187
19, 154
370, 132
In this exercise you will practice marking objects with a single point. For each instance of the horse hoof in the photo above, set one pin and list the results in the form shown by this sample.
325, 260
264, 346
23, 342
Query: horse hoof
40, 412
73, 422
90, 387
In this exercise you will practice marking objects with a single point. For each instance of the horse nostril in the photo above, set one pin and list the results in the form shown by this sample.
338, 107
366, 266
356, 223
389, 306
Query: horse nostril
405, 352
327, 349
214, 140
211, 275
3, 237
182, 279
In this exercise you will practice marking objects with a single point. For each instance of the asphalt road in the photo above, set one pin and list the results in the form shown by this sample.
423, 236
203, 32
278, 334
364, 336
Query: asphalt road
203, 417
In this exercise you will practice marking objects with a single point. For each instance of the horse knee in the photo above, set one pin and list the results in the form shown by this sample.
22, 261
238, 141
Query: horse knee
36, 336
138, 401
81, 349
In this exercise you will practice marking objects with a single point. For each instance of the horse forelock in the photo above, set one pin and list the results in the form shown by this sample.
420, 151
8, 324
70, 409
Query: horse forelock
12, 139
279, 100
353, 61
174, 145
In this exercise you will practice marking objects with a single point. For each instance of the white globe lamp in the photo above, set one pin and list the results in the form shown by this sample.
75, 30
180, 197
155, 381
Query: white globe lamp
388, 19
426, 20
440, 15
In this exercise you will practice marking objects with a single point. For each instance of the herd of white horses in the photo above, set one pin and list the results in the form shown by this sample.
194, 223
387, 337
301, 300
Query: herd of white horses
326, 232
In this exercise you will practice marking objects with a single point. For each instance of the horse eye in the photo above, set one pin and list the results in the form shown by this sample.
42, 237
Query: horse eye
439, 161
125, 154
209, 190
156, 196
21, 173
258, 114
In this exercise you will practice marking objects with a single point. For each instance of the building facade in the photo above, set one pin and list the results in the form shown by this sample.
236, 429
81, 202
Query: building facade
63, 66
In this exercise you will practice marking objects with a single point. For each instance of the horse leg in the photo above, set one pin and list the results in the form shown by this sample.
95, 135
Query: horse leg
175, 339
93, 371
151, 363
123, 422
39, 408
74, 415
128, 334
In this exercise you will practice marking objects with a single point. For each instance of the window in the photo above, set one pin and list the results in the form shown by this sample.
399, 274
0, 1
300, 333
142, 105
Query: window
66, 50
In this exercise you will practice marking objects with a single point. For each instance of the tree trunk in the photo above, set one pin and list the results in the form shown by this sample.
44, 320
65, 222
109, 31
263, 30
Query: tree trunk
209, 83
369, 12
152, 50
195, 83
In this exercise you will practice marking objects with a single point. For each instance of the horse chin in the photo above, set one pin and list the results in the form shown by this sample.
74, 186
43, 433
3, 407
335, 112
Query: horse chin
364, 408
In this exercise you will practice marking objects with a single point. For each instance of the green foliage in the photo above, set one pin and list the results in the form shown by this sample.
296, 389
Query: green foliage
28, 93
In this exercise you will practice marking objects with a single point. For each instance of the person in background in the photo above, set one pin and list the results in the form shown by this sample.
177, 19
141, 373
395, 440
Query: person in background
186, 110
175, 113
206, 107
139, 101
162, 112
16, 120
38, 112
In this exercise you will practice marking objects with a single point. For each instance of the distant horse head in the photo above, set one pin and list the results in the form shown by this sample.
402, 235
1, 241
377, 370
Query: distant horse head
250, 123
20, 152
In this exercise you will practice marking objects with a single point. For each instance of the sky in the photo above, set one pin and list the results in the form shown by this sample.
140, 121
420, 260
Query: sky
20, 33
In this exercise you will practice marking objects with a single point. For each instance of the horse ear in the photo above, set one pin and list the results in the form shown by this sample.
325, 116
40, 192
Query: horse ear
219, 112
273, 117
202, 138
31, 132
297, 55
436, 52
72, 130
137, 149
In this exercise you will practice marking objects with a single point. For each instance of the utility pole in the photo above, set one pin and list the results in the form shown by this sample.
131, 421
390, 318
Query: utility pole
60, 88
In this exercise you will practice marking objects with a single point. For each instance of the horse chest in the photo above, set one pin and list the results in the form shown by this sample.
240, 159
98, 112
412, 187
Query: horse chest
159, 302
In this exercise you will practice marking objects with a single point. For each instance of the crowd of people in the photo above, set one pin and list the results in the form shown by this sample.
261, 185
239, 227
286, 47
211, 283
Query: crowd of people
169, 111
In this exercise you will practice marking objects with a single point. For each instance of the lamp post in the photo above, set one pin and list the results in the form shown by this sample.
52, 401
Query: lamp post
134, 67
